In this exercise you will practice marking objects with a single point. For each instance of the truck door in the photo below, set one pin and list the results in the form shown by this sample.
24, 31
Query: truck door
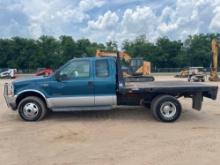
75, 87
104, 82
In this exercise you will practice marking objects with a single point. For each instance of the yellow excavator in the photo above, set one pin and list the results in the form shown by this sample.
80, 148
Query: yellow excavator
138, 70
214, 61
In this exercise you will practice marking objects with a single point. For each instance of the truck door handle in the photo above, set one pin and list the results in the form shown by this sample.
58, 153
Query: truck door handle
90, 84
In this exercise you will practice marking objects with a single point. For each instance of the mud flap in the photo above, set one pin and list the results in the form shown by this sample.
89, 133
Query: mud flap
197, 101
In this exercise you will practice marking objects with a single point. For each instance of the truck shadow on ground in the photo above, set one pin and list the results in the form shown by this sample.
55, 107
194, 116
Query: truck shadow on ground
120, 114
136, 114
116, 114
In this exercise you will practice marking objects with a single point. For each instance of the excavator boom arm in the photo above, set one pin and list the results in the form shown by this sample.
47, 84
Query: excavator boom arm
122, 55
214, 61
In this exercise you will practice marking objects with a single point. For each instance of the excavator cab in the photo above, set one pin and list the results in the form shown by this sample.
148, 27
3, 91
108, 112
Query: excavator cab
135, 64
136, 69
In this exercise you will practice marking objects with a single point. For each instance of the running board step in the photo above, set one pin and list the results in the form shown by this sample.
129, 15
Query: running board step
71, 109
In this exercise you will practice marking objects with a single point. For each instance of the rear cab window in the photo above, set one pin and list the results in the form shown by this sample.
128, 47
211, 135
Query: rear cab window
102, 68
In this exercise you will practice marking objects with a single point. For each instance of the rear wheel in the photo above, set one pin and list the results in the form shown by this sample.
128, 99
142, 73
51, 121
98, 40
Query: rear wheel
32, 109
166, 108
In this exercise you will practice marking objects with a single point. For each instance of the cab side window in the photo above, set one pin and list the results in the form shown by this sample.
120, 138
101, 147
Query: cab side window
76, 69
102, 68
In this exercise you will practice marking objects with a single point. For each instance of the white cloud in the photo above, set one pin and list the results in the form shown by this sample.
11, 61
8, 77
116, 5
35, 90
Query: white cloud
86, 5
177, 21
105, 20
139, 20
187, 17
133, 22
215, 23
35, 30
108, 20
71, 15
52, 17
164, 28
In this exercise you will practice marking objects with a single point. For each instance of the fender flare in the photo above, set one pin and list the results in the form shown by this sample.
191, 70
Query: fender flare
30, 90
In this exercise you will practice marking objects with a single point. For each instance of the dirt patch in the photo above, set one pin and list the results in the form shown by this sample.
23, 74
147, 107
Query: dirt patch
69, 137
200, 128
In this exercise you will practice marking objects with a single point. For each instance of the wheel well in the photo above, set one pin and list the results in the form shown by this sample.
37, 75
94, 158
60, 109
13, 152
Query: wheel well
177, 95
26, 94
161, 94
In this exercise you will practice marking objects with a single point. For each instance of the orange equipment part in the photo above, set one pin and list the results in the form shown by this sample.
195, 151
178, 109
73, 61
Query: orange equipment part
214, 61
144, 70
122, 55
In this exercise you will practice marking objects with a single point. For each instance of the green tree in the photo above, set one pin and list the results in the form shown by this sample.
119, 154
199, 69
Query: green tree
167, 52
47, 51
111, 46
198, 49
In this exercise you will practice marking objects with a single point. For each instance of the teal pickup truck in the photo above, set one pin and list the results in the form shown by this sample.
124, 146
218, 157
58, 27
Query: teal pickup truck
97, 84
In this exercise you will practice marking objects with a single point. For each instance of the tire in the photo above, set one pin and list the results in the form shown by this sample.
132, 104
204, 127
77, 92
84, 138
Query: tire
166, 108
32, 109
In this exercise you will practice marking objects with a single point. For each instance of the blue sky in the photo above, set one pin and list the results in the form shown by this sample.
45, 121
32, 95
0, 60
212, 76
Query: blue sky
103, 20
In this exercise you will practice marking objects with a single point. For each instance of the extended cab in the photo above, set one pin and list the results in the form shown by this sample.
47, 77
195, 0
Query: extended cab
97, 84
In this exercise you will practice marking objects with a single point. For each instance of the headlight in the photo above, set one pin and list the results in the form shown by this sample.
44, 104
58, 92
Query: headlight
10, 89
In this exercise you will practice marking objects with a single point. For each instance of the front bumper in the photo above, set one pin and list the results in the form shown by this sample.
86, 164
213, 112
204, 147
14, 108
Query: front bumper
10, 100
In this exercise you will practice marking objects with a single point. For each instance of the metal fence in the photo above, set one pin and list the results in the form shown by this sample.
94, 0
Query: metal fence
169, 70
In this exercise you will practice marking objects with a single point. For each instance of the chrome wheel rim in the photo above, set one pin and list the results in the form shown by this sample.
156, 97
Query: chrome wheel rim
168, 109
31, 110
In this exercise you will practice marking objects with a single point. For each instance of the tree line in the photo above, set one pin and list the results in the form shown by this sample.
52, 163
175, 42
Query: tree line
47, 51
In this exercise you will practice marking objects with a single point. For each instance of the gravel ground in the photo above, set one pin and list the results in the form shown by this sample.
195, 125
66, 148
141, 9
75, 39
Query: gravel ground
122, 136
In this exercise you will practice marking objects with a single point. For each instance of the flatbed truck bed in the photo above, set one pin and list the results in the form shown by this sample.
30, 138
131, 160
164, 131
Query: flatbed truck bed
172, 87
137, 93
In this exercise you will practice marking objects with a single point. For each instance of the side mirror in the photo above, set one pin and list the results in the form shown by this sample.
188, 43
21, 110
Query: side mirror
60, 77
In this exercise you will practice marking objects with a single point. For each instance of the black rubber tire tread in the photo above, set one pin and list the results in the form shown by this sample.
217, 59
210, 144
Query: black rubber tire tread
41, 104
153, 103
155, 107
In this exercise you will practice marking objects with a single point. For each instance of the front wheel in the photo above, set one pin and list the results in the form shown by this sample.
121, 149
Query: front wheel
32, 109
166, 108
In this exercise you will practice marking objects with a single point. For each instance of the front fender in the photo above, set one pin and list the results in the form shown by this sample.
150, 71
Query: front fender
29, 92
